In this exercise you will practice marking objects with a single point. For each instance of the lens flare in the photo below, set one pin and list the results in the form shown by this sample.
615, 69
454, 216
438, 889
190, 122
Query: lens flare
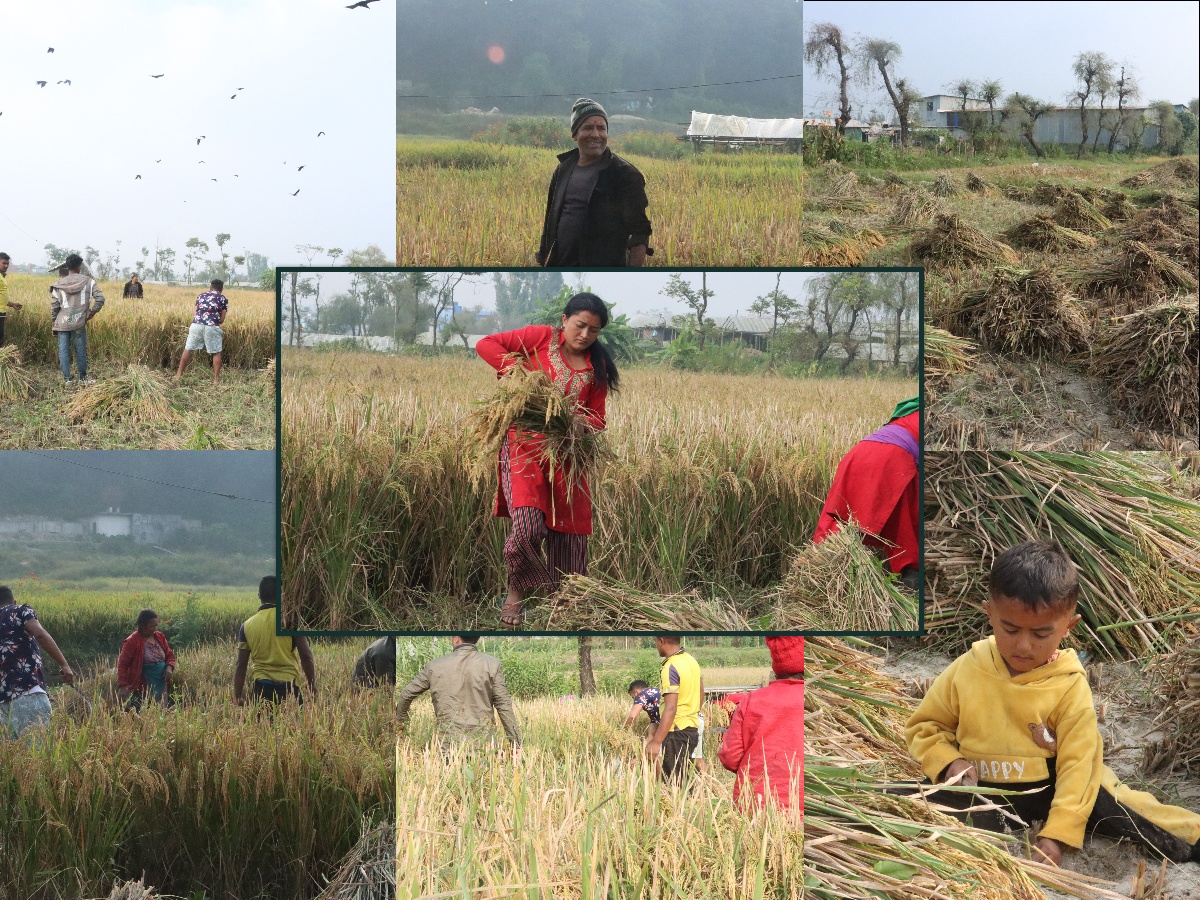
496, 54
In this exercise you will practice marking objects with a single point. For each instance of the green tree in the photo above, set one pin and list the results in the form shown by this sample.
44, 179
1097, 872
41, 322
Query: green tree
1093, 74
990, 91
223, 265
827, 48
237, 261
696, 300
518, 294
1128, 90
55, 255
1024, 111
195, 247
1170, 129
880, 55
266, 279
778, 305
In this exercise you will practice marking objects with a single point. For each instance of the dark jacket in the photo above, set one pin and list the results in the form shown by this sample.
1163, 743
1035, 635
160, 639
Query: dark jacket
616, 217
132, 290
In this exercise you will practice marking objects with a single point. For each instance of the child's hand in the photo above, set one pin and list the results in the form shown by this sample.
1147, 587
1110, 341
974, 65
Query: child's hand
1047, 850
970, 778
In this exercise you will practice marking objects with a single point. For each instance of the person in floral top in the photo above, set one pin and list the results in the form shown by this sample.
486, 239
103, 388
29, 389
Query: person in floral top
205, 331
645, 698
24, 703
542, 509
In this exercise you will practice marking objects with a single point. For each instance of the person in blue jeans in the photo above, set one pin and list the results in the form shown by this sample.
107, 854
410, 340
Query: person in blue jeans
74, 299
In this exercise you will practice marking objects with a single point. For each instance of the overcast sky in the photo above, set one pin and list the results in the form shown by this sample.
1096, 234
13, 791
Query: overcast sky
1029, 47
71, 152
633, 291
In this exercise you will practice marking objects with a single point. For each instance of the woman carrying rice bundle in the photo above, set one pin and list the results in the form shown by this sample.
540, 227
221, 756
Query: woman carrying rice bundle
550, 505
145, 664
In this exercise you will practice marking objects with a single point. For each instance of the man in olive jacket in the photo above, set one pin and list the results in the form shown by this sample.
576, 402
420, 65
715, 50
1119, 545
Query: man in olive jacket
466, 686
596, 205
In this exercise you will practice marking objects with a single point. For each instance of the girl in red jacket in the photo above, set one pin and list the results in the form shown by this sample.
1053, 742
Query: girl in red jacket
146, 662
542, 510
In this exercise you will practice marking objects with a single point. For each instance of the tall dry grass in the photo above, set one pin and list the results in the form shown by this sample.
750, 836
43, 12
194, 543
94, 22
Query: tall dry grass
577, 814
150, 331
206, 797
714, 479
472, 204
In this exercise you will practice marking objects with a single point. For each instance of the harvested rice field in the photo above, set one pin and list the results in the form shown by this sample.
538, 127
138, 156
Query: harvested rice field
711, 485
133, 350
1070, 289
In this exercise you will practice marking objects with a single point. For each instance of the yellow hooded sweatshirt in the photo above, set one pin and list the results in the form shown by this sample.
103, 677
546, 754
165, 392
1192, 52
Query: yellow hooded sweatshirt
1008, 726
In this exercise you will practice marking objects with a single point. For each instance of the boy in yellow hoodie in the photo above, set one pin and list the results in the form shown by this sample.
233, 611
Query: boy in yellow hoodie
1015, 712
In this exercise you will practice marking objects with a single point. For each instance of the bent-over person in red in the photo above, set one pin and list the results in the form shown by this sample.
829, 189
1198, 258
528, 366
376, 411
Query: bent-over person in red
764, 743
542, 510
877, 485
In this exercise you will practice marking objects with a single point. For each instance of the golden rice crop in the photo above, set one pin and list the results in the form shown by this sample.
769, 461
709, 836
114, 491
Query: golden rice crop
150, 331
710, 209
140, 395
14, 381
703, 487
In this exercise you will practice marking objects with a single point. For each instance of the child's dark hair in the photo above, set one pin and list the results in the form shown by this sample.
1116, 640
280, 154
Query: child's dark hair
267, 593
1039, 574
469, 638
638, 685
6, 595
603, 366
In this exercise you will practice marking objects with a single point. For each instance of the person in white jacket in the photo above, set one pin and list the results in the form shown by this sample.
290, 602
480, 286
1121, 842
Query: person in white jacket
74, 299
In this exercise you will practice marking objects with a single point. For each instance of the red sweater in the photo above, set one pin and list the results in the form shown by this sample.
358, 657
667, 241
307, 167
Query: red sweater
877, 485
540, 346
129, 663
766, 738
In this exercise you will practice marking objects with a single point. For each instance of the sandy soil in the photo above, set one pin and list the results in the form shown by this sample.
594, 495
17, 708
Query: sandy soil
1125, 706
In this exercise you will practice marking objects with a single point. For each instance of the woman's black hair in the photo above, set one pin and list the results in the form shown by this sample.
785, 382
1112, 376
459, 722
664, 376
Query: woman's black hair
603, 366
145, 617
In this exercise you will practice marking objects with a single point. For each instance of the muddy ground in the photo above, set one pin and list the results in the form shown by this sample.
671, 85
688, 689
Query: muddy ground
1126, 707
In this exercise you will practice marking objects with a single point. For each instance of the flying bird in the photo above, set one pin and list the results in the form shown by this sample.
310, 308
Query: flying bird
233, 96
65, 81
365, 4
50, 50
41, 84
241, 89
297, 191
301, 169
212, 179
319, 133
137, 177
201, 163
158, 160
159, 76
199, 139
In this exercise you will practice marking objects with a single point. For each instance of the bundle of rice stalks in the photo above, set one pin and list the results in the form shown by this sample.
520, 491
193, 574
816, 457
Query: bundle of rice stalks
529, 401
890, 177
140, 395
1178, 171
913, 208
1074, 212
1135, 272
1116, 206
1048, 193
951, 243
822, 247
840, 585
14, 380
1017, 193
1170, 228
977, 185
946, 354
943, 186
1132, 540
132, 890
1178, 675
1023, 312
870, 238
1151, 362
269, 370
1043, 233
588, 604
369, 870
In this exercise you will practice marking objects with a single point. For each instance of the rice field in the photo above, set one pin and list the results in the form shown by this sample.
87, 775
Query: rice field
134, 347
476, 204
705, 492
205, 799
1074, 282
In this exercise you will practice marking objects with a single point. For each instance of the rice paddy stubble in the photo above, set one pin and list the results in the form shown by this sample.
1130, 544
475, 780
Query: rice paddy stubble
378, 512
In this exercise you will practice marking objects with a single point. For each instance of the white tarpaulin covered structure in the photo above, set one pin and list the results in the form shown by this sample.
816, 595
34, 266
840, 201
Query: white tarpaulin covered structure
711, 125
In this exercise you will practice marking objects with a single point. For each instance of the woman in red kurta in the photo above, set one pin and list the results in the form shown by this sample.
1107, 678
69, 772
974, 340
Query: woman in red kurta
877, 484
542, 510
764, 743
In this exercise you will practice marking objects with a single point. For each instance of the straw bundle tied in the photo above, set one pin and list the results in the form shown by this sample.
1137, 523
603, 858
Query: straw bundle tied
1023, 312
1132, 540
1136, 272
529, 401
1073, 212
369, 870
1151, 361
822, 247
977, 185
1049, 193
14, 380
913, 208
1043, 233
1178, 171
1116, 206
943, 186
861, 842
1017, 193
946, 354
588, 604
952, 243
840, 585
139, 395
1178, 674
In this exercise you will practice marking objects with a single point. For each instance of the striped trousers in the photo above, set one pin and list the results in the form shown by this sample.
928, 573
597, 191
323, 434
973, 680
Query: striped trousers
528, 569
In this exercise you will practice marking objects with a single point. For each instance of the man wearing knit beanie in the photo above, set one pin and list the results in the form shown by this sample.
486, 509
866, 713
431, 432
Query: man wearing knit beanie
764, 743
596, 205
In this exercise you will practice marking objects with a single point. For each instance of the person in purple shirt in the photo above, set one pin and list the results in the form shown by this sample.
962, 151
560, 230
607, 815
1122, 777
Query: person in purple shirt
205, 331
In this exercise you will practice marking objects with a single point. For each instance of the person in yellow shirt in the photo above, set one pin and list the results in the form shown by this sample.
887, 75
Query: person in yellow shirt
274, 661
5, 303
678, 734
1015, 712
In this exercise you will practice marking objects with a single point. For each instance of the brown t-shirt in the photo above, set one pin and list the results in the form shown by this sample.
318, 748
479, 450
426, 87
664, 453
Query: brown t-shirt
574, 212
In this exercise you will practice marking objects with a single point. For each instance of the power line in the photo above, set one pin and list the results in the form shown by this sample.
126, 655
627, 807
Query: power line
150, 480
680, 87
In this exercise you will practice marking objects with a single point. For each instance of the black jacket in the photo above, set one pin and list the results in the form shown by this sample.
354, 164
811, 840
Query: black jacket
616, 216
132, 290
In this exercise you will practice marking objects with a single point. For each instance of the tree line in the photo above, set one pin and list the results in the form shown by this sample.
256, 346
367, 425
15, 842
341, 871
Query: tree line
164, 264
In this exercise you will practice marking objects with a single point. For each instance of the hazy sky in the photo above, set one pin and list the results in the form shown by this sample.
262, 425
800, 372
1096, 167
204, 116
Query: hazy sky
1030, 47
632, 291
71, 152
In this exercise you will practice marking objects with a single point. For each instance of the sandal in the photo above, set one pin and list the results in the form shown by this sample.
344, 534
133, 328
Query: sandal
512, 616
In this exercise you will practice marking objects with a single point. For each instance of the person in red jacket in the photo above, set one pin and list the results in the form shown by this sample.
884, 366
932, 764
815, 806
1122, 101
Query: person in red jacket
146, 662
542, 510
764, 743
876, 484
